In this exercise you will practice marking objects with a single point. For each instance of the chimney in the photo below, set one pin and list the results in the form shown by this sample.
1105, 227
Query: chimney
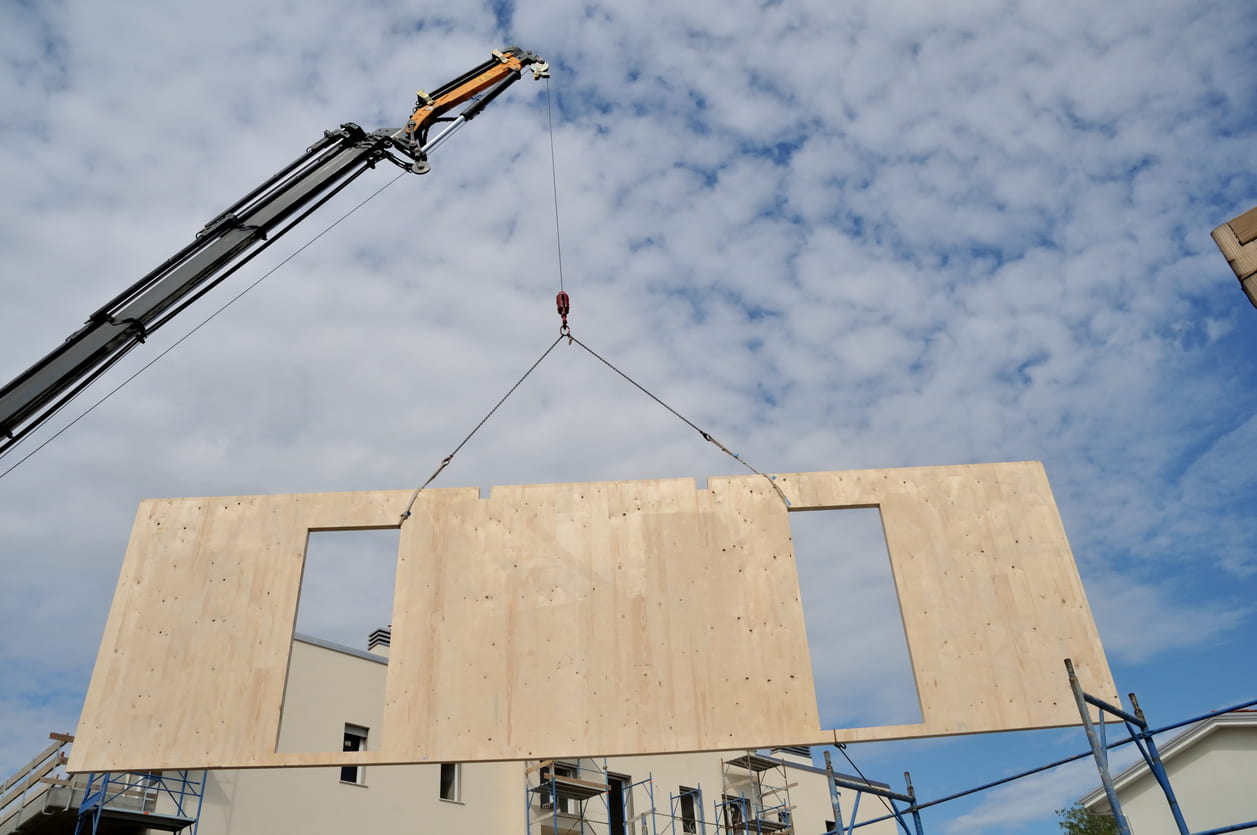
378, 641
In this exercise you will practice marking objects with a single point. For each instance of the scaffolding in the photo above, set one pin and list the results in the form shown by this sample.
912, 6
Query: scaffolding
170, 802
910, 812
558, 794
906, 810
1142, 736
686, 808
584, 797
42, 795
756, 798
36, 789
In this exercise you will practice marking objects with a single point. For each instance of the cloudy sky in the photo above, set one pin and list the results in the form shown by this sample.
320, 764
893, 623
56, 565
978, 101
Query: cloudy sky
834, 234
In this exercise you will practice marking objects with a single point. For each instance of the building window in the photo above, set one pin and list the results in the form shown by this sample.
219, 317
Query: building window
689, 816
452, 781
355, 740
547, 785
619, 804
735, 819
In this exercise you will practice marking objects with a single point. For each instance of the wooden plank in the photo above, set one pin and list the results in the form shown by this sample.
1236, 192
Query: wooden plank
575, 782
24, 770
538, 766
1241, 257
1245, 227
609, 618
33, 779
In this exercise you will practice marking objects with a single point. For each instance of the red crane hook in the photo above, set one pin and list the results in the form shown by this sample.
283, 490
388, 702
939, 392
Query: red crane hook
564, 304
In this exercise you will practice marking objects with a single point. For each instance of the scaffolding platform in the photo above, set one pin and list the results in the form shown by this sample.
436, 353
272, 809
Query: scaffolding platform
752, 761
756, 799
166, 802
563, 787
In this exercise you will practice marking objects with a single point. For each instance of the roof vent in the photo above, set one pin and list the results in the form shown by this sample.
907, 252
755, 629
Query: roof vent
378, 641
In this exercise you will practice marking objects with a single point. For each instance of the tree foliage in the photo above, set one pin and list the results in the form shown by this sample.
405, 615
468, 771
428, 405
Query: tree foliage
1076, 820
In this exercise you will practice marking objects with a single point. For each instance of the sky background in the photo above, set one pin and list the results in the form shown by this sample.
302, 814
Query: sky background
836, 235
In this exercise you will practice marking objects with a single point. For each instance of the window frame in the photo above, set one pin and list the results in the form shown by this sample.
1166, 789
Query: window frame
689, 817
455, 784
355, 739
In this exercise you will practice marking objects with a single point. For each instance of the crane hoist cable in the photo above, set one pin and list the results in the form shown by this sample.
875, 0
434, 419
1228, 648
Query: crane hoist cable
79, 389
563, 303
705, 435
242, 231
554, 182
565, 332
447, 459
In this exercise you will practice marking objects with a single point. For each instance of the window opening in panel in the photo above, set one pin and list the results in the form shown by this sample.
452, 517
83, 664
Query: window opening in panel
341, 635
860, 661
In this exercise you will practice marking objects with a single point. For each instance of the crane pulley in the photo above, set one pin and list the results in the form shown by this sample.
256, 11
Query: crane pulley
564, 304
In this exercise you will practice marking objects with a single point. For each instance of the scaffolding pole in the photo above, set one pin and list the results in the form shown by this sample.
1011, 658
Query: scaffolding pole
1136, 725
1139, 734
133, 797
911, 809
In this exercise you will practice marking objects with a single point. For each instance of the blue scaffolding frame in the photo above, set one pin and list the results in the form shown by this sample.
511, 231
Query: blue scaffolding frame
753, 814
556, 790
560, 803
676, 804
891, 797
647, 784
1139, 734
134, 796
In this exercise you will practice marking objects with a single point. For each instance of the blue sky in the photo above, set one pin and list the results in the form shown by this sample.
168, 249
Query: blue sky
836, 235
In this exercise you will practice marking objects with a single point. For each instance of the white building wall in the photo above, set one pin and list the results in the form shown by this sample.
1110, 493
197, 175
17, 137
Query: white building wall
329, 688
326, 690
1215, 781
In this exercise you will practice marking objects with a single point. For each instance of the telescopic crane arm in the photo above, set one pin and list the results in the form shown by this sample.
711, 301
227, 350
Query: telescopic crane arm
241, 232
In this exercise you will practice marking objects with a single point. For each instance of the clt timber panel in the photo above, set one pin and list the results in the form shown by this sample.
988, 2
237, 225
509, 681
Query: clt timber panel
1237, 239
605, 618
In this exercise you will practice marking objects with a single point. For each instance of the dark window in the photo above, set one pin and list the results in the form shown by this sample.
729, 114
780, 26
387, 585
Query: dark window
451, 781
617, 811
355, 740
735, 820
689, 816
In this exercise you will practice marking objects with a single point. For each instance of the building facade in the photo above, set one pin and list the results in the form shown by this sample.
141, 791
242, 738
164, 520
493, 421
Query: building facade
335, 701
335, 698
1212, 767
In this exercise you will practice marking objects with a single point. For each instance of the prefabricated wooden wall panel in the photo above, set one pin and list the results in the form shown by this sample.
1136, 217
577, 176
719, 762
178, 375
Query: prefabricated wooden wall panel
612, 617
602, 618
989, 593
1237, 239
195, 651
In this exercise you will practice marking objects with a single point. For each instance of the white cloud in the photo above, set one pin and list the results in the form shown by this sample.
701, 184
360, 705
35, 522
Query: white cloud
990, 242
1029, 800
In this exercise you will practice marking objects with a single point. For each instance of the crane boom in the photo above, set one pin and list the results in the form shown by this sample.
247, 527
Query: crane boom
243, 231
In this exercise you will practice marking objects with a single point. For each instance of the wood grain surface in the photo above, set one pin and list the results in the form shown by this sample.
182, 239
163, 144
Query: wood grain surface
607, 618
